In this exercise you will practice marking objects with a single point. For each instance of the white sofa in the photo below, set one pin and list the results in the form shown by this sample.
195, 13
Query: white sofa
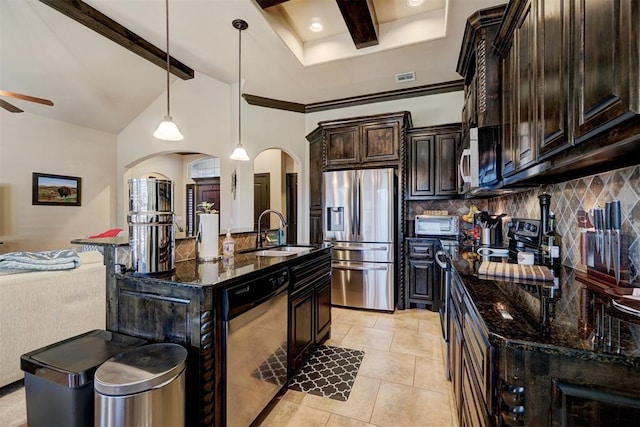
44, 307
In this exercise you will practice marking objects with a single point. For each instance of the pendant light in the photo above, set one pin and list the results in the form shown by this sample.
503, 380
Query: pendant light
239, 153
167, 129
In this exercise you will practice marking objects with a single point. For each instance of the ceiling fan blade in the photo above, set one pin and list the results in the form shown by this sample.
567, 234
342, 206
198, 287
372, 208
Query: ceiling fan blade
26, 97
9, 107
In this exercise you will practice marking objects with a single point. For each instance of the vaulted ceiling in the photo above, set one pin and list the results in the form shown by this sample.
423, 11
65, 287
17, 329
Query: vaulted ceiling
97, 83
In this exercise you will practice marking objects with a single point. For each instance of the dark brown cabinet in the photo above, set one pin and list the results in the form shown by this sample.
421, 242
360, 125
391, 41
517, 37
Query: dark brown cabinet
302, 328
342, 146
471, 359
422, 274
525, 147
432, 170
605, 64
315, 186
479, 65
309, 308
570, 79
368, 141
552, 72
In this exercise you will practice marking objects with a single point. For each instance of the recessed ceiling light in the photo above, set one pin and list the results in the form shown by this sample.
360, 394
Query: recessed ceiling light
316, 25
414, 3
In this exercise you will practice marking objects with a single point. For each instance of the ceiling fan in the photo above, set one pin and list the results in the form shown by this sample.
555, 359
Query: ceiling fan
12, 108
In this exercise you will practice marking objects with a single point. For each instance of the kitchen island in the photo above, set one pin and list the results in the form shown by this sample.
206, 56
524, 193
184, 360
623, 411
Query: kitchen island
531, 354
185, 307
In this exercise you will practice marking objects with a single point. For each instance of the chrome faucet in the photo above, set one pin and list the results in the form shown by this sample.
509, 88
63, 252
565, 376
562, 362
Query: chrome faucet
259, 237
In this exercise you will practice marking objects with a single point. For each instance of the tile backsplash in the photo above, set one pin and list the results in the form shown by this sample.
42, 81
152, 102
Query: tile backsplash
566, 199
583, 193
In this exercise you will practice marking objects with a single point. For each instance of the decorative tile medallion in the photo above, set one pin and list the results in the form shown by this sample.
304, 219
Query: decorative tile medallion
329, 372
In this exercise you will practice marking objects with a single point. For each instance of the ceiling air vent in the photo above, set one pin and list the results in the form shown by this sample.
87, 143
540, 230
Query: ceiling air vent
405, 77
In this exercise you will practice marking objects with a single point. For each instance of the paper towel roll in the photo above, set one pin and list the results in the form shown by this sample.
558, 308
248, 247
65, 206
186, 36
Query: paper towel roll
208, 237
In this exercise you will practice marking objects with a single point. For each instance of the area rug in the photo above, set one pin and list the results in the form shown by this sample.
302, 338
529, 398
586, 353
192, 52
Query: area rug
329, 372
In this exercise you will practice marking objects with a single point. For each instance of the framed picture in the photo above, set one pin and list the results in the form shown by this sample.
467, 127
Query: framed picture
57, 190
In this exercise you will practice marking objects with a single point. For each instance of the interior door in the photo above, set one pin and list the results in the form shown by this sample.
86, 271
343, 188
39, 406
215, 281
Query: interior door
261, 199
291, 196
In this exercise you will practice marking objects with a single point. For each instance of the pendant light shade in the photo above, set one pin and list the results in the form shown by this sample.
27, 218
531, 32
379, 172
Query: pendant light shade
167, 129
239, 153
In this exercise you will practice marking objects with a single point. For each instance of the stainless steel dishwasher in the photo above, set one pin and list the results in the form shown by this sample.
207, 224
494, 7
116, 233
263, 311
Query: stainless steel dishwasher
254, 315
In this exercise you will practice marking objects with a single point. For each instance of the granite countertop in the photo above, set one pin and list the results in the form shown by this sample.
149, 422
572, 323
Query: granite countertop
193, 273
583, 322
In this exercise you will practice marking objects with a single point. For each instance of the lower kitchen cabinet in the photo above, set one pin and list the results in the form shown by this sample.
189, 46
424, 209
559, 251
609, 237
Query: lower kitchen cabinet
309, 308
302, 328
422, 273
471, 359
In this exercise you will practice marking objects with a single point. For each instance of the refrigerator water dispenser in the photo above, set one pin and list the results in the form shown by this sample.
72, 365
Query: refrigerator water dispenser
335, 219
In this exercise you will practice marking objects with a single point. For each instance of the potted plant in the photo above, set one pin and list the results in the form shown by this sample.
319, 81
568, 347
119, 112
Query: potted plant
208, 231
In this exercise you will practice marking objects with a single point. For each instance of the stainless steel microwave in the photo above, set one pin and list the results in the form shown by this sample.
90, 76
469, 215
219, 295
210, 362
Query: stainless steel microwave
437, 225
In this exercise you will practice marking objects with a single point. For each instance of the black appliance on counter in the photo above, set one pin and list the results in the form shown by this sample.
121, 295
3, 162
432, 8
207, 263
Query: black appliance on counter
524, 236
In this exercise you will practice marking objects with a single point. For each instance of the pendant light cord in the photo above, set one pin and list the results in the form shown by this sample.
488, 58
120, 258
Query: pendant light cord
167, 32
239, 85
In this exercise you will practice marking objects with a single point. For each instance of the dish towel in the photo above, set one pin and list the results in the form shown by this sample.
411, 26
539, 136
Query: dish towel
45, 261
503, 270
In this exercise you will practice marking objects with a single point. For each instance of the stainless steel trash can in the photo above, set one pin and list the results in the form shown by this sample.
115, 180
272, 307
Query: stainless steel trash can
58, 378
142, 387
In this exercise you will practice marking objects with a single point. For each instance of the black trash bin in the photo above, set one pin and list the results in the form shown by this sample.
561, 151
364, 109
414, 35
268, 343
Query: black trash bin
59, 377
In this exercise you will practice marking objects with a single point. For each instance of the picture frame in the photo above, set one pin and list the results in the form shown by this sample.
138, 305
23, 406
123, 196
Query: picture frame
56, 190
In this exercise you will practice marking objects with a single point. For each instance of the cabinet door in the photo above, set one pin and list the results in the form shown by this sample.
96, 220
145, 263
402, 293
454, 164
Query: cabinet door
323, 308
552, 62
421, 166
342, 146
315, 174
380, 142
446, 174
523, 43
455, 361
315, 226
421, 279
605, 65
302, 328
508, 113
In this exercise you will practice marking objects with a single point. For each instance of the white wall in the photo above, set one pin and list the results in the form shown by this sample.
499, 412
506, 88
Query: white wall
31, 143
206, 112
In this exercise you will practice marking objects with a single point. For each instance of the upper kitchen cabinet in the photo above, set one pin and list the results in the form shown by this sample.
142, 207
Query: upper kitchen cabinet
432, 171
571, 88
364, 141
605, 64
479, 65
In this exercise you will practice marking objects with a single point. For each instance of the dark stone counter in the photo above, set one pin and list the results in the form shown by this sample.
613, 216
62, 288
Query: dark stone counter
584, 324
192, 273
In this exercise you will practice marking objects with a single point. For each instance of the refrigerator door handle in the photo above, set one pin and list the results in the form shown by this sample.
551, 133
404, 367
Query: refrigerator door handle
358, 204
368, 248
354, 212
343, 267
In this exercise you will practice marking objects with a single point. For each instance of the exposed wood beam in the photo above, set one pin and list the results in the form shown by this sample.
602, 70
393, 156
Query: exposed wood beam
9, 107
95, 20
273, 103
268, 3
361, 20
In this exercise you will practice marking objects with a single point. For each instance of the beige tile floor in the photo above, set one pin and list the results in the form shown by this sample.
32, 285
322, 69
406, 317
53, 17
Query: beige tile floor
401, 381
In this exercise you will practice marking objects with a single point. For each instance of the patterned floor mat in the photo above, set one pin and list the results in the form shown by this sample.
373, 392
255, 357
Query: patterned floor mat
329, 372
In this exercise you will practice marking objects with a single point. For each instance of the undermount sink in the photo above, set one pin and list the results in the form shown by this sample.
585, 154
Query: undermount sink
282, 251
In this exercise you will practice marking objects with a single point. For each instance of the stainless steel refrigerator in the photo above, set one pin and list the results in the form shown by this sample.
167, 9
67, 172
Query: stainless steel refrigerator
359, 208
